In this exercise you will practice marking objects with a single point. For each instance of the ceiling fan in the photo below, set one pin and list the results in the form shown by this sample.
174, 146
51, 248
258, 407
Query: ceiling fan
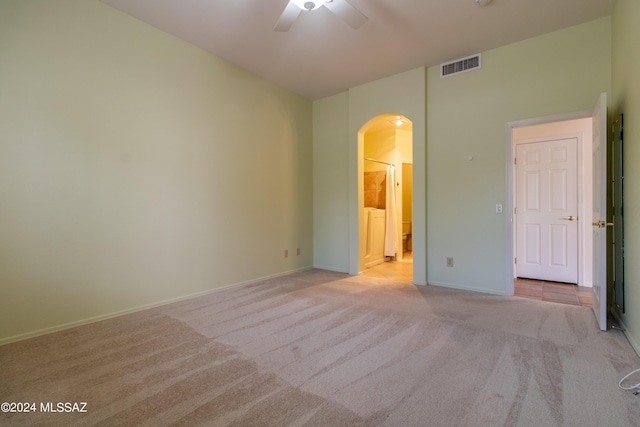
342, 8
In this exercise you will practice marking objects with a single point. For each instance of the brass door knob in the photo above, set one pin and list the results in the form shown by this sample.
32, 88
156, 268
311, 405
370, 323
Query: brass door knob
602, 224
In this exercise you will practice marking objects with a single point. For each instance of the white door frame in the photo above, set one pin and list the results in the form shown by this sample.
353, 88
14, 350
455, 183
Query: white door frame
510, 189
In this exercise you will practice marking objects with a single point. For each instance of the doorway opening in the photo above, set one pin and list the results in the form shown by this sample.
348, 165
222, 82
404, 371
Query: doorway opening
594, 172
551, 180
386, 187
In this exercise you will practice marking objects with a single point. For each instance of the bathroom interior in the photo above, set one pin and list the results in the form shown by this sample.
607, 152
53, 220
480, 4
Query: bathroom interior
387, 215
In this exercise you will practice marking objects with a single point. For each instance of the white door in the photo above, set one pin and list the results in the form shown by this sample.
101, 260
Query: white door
546, 210
600, 211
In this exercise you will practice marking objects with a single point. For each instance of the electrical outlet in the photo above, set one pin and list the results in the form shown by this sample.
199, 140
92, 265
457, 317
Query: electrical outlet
286, 253
499, 208
298, 252
449, 262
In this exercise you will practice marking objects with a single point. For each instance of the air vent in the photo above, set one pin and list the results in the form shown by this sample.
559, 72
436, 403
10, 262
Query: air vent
461, 65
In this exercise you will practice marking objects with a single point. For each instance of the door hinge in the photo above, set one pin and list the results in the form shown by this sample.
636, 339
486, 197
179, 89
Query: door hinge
515, 161
515, 260
515, 211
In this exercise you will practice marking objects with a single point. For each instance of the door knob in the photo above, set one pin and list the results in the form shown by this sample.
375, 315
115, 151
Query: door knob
602, 224
570, 218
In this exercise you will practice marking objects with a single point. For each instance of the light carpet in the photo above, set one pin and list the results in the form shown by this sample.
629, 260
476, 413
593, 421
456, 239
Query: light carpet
325, 349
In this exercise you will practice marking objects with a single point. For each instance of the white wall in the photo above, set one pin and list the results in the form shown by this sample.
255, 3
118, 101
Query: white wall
136, 168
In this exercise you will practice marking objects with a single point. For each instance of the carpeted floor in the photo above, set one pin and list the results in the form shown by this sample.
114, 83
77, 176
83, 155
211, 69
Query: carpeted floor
325, 349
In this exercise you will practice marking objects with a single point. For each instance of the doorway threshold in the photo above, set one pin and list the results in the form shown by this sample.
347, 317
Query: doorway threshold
561, 293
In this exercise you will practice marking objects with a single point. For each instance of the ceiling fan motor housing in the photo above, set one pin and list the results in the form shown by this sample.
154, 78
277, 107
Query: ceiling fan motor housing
342, 8
309, 4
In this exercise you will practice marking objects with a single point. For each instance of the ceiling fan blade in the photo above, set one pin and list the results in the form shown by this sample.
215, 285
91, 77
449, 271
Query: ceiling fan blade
349, 14
287, 18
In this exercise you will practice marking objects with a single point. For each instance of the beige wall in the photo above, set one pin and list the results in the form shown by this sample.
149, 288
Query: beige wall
135, 168
337, 160
380, 145
128, 175
330, 183
626, 99
466, 115
405, 146
556, 73
403, 94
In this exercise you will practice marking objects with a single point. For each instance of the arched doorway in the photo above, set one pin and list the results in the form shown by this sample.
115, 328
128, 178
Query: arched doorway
385, 182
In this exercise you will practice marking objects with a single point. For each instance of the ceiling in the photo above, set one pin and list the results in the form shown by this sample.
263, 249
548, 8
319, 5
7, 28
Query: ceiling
321, 55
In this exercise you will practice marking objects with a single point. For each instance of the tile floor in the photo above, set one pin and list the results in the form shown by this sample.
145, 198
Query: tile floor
562, 293
402, 271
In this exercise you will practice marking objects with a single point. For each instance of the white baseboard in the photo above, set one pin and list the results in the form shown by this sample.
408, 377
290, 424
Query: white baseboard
466, 288
334, 269
94, 319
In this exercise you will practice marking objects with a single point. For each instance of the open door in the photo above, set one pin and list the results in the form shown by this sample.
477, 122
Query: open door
599, 220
